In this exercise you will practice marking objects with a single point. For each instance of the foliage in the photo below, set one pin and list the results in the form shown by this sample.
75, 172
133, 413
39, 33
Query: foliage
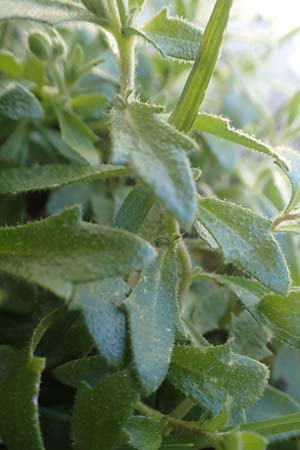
149, 250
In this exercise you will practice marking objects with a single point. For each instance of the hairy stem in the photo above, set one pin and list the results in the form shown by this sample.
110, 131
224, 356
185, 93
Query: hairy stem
126, 46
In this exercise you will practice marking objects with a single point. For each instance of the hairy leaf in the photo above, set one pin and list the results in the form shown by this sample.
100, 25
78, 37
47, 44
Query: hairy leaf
283, 314
100, 304
245, 240
172, 36
293, 173
17, 102
153, 317
101, 412
155, 152
62, 250
25, 179
53, 13
145, 432
210, 375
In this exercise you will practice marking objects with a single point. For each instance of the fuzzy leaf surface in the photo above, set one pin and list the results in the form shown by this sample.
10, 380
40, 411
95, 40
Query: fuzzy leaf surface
17, 102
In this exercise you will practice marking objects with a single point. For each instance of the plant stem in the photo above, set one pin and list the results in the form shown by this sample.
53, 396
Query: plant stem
285, 217
182, 409
126, 46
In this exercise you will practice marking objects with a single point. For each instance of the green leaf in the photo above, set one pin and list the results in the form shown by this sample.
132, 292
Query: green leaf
245, 240
9, 64
17, 102
145, 432
20, 374
53, 13
154, 151
195, 88
241, 440
88, 370
293, 173
250, 337
25, 179
283, 314
78, 135
274, 403
100, 304
62, 250
286, 370
153, 317
172, 36
210, 375
101, 412
219, 126
136, 4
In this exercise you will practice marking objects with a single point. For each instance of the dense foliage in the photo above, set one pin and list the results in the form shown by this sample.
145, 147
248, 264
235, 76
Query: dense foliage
163, 312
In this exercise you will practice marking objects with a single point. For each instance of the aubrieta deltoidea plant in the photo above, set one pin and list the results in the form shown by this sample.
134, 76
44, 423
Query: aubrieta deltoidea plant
150, 316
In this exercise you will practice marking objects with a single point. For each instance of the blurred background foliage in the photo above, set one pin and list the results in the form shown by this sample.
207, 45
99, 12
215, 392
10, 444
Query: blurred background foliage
256, 85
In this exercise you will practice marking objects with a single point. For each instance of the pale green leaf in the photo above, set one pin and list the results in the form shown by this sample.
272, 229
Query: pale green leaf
17, 102
210, 375
153, 317
195, 89
241, 440
20, 374
89, 370
172, 36
219, 126
145, 432
283, 314
101, 412
293, 173
62, 250
52, 12
100, 305
25, 179
78, 135
155, 152
286, 370
245, 240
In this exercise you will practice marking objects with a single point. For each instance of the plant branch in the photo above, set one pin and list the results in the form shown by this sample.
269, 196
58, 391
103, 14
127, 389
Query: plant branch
285, 217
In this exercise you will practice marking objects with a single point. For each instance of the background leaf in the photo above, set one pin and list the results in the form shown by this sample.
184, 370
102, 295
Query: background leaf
17, 102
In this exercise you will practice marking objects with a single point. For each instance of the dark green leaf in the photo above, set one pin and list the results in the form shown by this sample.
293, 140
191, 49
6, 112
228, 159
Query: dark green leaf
245, 240
153, 317
283, 314
210, 375
62, 250
100, 304
17, 102
155, 152
172, 36
13, 181
101, 412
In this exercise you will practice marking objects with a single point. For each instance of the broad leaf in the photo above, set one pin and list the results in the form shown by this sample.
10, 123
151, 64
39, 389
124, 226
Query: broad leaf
241, 440
218, 126
210, 375
250, 337
153, 316
172, 36
145, 432
9, 64
17, 102
283, 314
53, 13
20, 374
155, 152
195, 88
89, 370
25, 179
100, 304
78, 135
245, 240
101, 412
62, 250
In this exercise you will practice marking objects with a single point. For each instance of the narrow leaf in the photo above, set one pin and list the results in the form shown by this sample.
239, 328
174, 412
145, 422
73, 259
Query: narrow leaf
53, 13
155, 152
293, 173
153, 316
245, 240
198, 81
101, 412
25, 179
100, 305
210, 375
241, 440
85, 252
172, 36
